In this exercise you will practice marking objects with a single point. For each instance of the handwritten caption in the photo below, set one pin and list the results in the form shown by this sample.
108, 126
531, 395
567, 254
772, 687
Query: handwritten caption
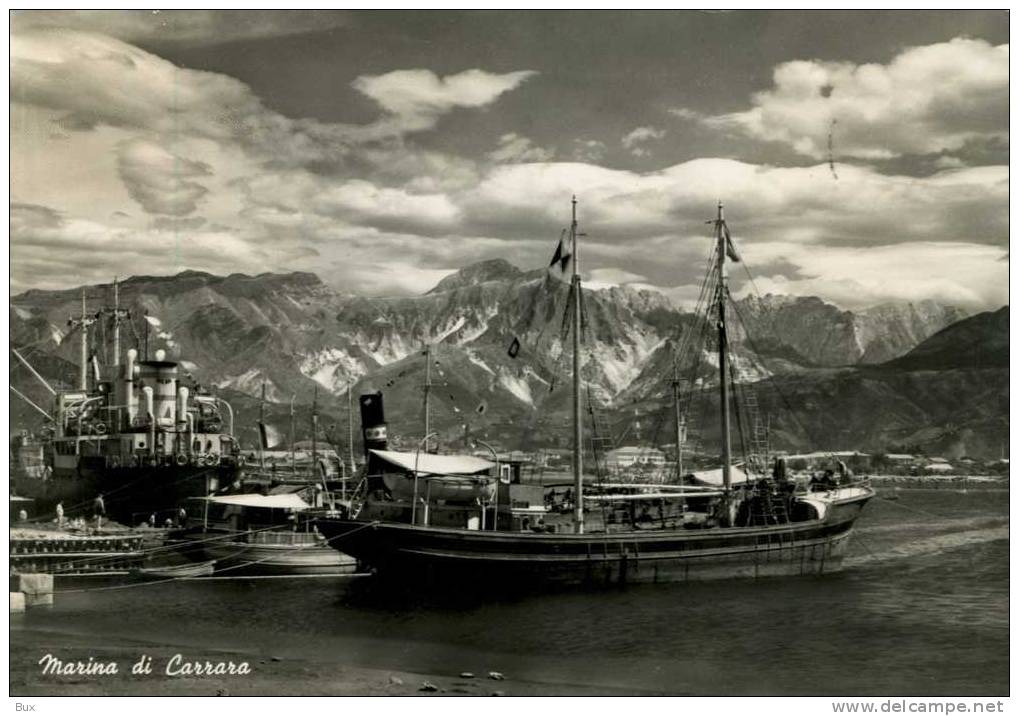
176, 665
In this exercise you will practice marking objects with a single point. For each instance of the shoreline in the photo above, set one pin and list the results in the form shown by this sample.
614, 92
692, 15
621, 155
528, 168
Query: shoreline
270, 675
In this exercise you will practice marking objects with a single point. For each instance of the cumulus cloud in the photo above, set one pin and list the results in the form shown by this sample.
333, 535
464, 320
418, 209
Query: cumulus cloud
863, 207
634, 141
386, 207
415, 99
513, 149
191, 26
963, 274
927, 100
227, 184
160, 181
589, 150
612, 276
97, 80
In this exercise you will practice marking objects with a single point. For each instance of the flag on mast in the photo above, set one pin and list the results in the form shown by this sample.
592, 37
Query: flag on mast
560, 257
730, 247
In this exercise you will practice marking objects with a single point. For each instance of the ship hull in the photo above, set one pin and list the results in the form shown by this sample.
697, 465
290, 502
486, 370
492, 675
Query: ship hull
455, 556
130, 494
278, 560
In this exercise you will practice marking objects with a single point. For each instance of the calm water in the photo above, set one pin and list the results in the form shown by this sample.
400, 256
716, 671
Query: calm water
922, 608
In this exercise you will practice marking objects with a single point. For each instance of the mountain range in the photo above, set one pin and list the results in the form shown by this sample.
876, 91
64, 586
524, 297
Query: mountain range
300, 338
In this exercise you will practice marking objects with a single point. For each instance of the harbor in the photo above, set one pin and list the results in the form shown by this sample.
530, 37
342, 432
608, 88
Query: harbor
338, 636
506, 353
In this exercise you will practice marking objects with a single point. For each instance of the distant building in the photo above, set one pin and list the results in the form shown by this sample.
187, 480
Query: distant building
900, 458
938, 464
827, 458
624, 457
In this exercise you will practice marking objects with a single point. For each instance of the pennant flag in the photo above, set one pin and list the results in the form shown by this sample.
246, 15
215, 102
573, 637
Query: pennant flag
730, 248
559, 257
271, 438
514, 348
153, 321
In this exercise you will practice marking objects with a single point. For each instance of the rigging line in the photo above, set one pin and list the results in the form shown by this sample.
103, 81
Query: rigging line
775, 385
149, 551
177, 579
736, 391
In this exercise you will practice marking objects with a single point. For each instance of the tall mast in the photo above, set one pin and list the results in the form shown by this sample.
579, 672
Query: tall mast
261, 429
428, 388
293, 437
314, 432
116, 322
83, 323
350, 426
679, 419
578, 430
723, 360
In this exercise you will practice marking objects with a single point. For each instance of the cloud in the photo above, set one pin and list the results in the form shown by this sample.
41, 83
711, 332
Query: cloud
94, 80
415, 99
160, 181
686, 113
515, 149
189, 27
386, 208
227, 184
608, 277
589, 151
962, 274
927, 100
635, 140
863, 207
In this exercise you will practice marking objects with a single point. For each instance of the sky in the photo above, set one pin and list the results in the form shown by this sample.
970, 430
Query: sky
861, 156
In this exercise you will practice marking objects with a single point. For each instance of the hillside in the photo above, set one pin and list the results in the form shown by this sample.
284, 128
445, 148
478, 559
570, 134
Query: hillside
298, 336
980, 341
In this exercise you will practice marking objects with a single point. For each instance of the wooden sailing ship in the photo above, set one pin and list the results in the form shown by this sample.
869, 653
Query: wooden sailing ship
717, 527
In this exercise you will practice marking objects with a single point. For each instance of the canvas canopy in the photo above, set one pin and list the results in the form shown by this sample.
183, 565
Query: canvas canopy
429, 464
714, 477
275, 502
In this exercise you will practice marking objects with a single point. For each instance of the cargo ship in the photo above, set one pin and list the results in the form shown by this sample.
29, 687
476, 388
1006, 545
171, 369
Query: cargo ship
142, 437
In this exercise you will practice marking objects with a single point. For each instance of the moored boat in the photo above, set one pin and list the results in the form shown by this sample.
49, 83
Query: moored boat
137, 433
258, 534
188, 570
753, 522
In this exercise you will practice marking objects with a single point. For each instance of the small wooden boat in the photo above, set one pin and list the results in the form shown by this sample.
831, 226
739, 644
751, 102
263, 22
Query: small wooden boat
175, 571
263, 535
279, 553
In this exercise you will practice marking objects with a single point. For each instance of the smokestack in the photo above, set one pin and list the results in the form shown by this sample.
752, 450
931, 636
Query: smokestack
182, 404
150, 411
129, 397
373, 426
182, 417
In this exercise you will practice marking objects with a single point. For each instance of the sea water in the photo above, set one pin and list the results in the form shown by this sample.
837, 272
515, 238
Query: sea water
920, 608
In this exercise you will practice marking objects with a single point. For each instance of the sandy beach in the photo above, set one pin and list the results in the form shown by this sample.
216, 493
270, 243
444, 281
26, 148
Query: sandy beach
270, 675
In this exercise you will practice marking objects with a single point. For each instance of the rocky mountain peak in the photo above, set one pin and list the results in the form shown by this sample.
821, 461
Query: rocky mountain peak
481, 272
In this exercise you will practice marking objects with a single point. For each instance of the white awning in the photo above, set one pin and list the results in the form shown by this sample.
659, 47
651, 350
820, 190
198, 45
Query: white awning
429, 464
714, 477
275, 502
652, 496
